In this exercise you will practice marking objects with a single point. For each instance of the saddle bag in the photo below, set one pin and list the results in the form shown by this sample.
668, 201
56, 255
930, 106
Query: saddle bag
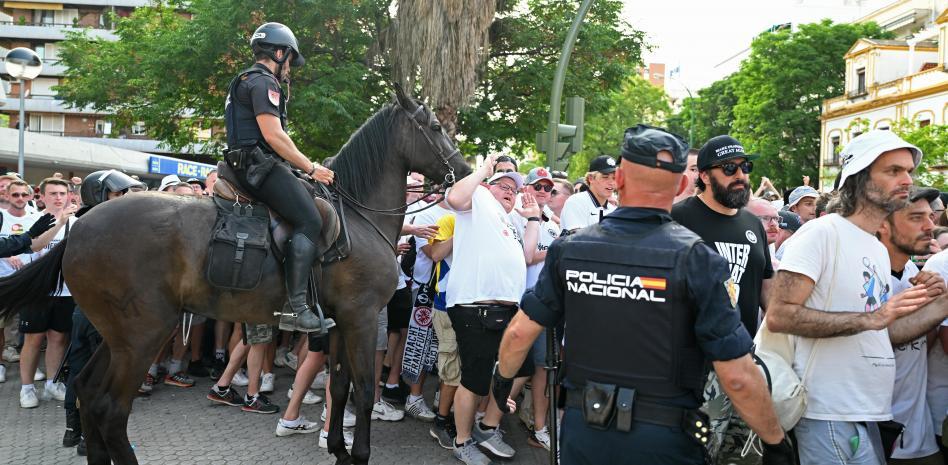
239, 246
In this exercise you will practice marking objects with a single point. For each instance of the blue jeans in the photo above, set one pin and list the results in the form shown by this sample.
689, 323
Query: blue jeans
822, 442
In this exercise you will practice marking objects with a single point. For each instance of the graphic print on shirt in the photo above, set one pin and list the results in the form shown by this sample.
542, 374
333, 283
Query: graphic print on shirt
737, 256
875, 289
510, 230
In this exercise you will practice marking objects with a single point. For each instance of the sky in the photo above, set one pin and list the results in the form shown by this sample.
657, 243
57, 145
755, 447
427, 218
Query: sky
698, 35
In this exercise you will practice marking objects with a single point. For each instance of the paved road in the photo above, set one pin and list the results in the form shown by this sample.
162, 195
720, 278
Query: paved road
180, 426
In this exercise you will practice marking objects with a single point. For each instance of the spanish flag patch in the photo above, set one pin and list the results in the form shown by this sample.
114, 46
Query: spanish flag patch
658, 284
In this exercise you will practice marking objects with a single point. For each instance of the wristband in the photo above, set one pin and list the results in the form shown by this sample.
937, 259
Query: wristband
310, 173
535, 218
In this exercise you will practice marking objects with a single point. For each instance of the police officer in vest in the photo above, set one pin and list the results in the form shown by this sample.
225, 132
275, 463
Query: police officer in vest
263, 158
646, 306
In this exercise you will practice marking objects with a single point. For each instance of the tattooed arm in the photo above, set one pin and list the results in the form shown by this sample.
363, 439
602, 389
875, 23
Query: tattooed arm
913, 326
787, 314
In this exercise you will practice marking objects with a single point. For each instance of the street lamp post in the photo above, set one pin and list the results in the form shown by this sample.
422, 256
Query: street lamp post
24, 65
691, 128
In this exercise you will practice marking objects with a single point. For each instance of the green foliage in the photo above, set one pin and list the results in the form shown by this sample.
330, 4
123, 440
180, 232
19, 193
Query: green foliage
933, 141
712, 110
636, 101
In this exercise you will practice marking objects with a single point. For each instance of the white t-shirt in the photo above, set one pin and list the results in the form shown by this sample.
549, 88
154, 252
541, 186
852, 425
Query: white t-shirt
409, 219
52, 243
423, 263
488, 261
549, 231
852, 377
908, 399
581, 210
937, 388
12, 226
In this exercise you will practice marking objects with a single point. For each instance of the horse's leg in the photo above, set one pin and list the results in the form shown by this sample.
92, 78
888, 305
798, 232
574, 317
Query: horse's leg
87, 387
360, 349
339, 390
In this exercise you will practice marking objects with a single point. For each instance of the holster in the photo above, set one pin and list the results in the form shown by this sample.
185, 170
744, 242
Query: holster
599, 400
253, 162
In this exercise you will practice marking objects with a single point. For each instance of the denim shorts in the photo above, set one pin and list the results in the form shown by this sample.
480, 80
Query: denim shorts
823, 442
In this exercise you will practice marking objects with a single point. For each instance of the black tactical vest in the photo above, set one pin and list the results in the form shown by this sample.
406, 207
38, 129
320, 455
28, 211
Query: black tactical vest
629, 318
242, 128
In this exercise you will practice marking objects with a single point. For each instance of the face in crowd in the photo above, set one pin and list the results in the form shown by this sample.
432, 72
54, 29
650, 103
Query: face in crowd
559, 195
890, 180
209, 182
54, 196
19, 195
691, 172
767, 214
542, 191
4, 185
910, 229
504, 165
602, 185
505, 191
729, 182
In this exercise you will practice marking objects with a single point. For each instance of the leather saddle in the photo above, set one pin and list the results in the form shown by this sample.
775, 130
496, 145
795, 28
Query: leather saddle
334, 244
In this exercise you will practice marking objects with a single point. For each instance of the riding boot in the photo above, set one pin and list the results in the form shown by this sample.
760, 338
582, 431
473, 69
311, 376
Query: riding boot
301, 253
73, 428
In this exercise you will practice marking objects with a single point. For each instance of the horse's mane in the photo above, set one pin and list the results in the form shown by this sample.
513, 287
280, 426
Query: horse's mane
359, 163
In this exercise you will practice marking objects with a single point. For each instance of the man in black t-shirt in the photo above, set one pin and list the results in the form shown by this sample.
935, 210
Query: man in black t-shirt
716, 214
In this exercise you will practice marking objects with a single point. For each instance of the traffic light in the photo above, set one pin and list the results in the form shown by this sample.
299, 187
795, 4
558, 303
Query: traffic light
569, 138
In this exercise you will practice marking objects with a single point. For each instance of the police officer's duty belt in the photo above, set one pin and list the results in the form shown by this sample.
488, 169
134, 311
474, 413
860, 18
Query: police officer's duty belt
642, 411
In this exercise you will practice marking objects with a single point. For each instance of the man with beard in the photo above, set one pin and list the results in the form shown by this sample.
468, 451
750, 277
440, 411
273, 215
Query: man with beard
833, 290
905, 233
717, 215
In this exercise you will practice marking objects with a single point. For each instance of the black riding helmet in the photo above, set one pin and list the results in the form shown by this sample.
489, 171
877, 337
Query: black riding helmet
274, 36
96, 186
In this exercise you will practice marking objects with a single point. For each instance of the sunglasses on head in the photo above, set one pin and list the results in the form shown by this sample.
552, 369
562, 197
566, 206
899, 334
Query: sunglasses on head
730, 168
543, 187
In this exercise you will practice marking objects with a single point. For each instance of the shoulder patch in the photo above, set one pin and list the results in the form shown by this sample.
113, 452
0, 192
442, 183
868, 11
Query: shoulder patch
731, 289
274, 97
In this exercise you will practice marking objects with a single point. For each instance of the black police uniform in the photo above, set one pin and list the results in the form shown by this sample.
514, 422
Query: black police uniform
646, 307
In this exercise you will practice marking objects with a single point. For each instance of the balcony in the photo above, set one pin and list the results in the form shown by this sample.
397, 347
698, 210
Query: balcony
48, 31
891, 90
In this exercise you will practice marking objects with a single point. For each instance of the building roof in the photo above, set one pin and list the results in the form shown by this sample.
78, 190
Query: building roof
54, 151
864, 44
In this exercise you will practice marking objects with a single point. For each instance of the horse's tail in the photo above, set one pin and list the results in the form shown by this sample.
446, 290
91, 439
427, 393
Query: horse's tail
33, 283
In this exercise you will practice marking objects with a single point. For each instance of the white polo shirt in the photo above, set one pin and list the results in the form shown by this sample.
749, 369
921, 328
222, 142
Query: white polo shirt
582, 209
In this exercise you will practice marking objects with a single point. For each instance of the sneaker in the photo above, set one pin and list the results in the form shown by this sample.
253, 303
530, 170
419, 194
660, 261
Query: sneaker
148, 384
348, 419
240, 378
81, 448
266, 383
291, 361
217, 368
227, 397
71, 437
196, 368
478, 416
346, 437
419, 410
309, 399
11, 355
259, 404
444, 433
3, 374
39, 375
540, 438
319, 383
179, 379
386, 412
280, 358
304, 427
492, 440
470, 454
56, 391
28, 399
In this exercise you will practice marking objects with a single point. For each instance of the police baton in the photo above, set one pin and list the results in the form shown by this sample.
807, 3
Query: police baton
552, 371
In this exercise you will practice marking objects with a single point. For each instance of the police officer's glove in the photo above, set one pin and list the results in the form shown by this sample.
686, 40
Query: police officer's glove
778, 454
43, 224
501, 387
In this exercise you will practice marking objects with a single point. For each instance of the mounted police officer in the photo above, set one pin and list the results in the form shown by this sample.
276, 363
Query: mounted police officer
105, 185
263, 158
646, 306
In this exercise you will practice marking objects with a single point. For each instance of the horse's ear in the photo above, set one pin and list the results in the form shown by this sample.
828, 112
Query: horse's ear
403, 99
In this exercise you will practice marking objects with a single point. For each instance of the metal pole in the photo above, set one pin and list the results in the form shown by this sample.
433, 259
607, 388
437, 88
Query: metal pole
552, 375
691, 129
22, 128
552, 136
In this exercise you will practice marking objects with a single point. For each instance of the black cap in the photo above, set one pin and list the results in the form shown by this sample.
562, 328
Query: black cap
789, 220
603, 164
642, 143
921, 192
719, 149
196, 181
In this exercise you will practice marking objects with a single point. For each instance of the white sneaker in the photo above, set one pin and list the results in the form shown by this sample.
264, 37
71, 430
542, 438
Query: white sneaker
240, 378
56, 391
309, 399
348, 420
419, 410
319, 383
291, 361
541, 437
11, 355
28, 399
39, 375
386, 412
266, 383
280, 358
304, 427
478, 416
3, 374
346, 436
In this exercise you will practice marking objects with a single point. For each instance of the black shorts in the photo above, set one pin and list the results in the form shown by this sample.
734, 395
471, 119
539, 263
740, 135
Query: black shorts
317, 343
399, 309
56, 316
477, 348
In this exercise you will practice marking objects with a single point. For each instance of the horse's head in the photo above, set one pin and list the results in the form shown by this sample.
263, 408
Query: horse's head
423, 144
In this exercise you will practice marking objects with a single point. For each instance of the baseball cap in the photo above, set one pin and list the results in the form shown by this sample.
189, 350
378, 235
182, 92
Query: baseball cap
866, 148
513, 175
789, 220
800, 193
921, 192
168, 181
538, 174
642, 143
720, 149
603, 164
196, 181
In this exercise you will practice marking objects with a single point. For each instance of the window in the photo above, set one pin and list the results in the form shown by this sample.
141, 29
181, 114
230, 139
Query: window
883, 128
47, 124
42, 87
40, 50
924, 122
138, 129
832, 157
861, 81
47, 17
103, 127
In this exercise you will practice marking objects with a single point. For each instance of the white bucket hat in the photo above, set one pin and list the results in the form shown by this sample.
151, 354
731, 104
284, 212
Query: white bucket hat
866, 148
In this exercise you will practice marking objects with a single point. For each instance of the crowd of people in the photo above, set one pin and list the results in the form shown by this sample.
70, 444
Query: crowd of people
467, 257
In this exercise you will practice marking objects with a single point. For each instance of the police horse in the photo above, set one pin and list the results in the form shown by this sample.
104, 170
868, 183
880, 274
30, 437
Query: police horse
136, 263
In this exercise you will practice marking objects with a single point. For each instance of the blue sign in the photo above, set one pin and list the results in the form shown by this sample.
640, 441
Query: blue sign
182, 168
